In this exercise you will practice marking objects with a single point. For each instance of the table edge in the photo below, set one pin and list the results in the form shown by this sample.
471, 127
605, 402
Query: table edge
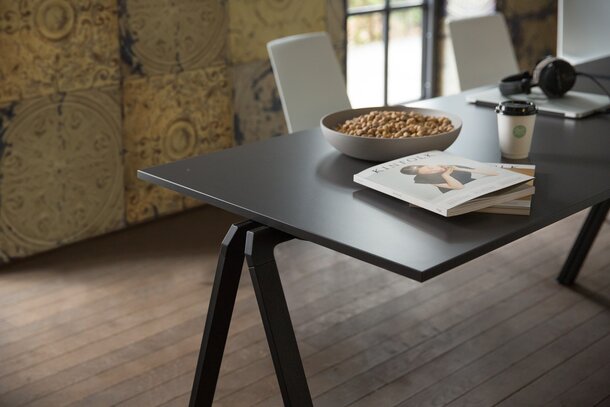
414, 274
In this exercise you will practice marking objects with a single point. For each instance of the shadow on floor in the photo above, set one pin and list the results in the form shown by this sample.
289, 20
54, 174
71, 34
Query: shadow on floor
592, 295
160, 239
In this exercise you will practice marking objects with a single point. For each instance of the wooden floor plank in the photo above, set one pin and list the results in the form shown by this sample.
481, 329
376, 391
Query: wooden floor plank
308, 303
146, 386
386, 371
137, 301
503, 385
254, 345
592, 391
158, 395
117, 321
40, 379
334, 353
463, 367
565, 376
452, 375
604, 403
189, 370
138, 288
181, 351
368, 344
179, 401
270, 381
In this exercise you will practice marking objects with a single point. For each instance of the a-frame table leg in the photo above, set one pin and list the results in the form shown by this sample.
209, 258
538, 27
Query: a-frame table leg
584, 241
222, 301
260, 243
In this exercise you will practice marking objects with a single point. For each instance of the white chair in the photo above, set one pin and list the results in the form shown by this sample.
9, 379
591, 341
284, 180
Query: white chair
308, 77
483, 50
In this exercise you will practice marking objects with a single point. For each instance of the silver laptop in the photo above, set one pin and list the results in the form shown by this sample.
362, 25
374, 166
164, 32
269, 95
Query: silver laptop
573, 104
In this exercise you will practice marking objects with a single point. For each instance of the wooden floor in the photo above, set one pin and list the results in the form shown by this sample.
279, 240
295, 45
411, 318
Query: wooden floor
118, 321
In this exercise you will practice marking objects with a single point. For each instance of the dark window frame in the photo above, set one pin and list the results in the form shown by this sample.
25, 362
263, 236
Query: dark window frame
431, 11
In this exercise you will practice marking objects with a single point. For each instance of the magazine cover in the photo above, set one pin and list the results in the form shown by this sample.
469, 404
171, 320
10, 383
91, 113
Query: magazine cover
438, 181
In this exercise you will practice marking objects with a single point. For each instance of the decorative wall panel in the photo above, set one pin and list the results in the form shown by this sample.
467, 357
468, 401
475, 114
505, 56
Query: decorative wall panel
258, 109
51, 46
61, 173
253, 23
169, 36
335, 26
93, 90
167, 118
533, 29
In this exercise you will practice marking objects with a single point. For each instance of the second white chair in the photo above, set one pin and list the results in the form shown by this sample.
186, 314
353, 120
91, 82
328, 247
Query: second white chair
308, 77
483, 50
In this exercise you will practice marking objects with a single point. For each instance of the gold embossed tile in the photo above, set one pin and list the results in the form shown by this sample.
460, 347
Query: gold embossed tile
258, 109
50, 46
167, 118
253, 23
335, 26
61, 172
170, 36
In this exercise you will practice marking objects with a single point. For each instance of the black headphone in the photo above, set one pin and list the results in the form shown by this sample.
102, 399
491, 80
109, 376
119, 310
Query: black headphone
554, 76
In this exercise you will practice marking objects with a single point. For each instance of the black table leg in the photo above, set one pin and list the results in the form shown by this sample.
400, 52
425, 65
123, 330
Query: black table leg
260, 243
583, 243
222, 300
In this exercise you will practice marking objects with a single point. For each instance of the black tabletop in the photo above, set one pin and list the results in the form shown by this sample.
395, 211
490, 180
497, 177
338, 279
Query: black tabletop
299, 184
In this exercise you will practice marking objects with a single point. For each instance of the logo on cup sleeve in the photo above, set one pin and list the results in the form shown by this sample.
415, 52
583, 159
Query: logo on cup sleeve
519, 131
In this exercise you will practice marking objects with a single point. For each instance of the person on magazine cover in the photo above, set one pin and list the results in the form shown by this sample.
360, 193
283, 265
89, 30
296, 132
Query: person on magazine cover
445, 177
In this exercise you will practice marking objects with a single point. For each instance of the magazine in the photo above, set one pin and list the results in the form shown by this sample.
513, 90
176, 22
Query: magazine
521, 206
444, 183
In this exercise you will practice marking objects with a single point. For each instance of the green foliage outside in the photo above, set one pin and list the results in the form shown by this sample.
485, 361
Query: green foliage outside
367, 28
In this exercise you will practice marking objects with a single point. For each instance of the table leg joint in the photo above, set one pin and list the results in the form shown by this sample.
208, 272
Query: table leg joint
260, 243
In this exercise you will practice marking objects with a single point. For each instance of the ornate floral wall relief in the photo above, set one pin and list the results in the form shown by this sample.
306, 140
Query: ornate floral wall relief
51, 46
171, 36
253, 23
167, 118
61, 172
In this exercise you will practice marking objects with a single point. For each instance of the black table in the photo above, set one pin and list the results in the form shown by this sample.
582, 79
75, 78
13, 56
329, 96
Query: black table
298, 186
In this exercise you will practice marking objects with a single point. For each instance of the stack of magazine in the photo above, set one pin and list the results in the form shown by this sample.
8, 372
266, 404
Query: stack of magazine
450, 185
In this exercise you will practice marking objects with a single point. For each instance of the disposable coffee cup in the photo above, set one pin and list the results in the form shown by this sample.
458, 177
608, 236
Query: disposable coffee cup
516, 121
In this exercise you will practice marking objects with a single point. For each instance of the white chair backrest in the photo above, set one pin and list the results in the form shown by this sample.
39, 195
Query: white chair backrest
309, 79
483, 50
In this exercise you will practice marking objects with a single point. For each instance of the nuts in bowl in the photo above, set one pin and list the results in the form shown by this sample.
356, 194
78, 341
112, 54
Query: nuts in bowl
387, 133
395, 124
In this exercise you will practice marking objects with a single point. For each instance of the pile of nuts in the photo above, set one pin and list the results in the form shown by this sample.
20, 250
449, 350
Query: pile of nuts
390, 124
